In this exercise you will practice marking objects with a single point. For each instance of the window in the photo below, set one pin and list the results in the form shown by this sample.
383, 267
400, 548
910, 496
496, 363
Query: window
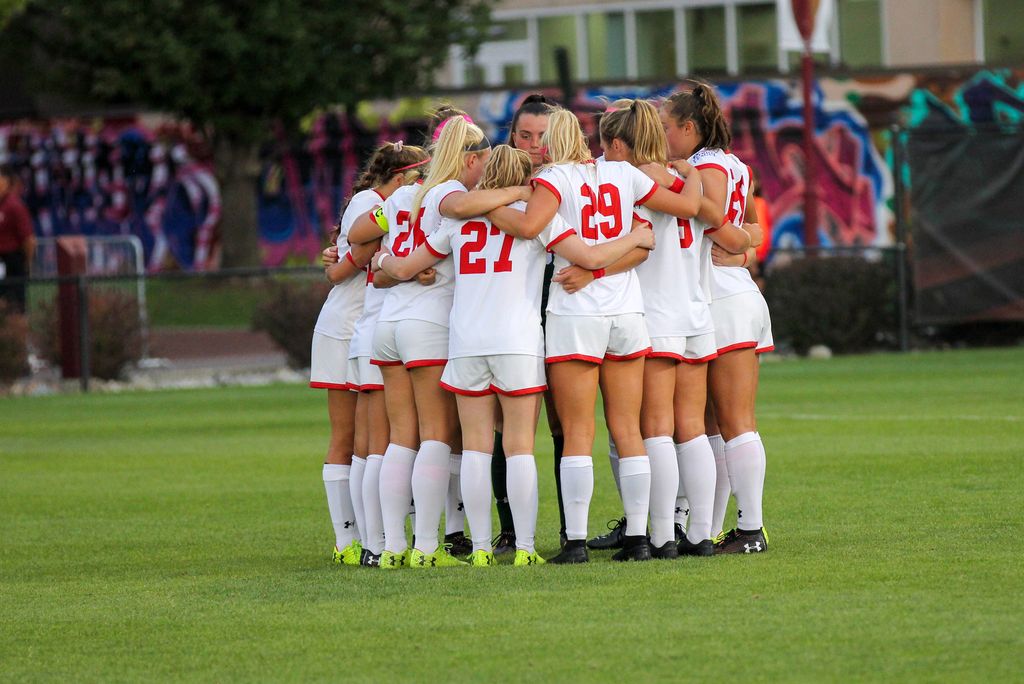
705, 39
556, 32
757, 36
860, 32
514, 29
656, 44
1004, 30
606, 45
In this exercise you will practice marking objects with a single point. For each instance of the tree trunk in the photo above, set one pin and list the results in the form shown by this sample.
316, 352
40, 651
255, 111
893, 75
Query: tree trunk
238, 171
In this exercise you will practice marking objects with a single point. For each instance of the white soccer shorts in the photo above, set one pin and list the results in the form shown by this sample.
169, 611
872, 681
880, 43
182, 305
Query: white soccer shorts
328, 368
509, 374
410, 342
742, 322
688, 349
363, 375
596, 338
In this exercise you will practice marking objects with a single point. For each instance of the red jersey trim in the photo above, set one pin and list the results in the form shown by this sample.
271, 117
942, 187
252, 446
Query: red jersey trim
574, 357
650, 193
519, 392
378, 362
561, 237
348, 255
627, 357
434, 251
465, 392
420, 363
540, 181
736, 347
641, 219
382, 197
331, 385
714, 166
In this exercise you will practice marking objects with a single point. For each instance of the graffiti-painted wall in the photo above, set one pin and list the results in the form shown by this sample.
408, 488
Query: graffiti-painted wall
124, 177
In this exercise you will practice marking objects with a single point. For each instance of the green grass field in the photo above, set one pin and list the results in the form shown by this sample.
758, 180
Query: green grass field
183, 535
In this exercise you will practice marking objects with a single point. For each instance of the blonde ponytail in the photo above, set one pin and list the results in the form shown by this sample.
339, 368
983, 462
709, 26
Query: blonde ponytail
457, 140
565, 140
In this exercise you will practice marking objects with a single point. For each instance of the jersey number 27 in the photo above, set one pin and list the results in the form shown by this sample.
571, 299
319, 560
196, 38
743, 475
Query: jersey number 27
469, 263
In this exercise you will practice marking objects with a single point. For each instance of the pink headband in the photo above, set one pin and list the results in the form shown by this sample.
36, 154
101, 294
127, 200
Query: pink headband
412, 166
440, 127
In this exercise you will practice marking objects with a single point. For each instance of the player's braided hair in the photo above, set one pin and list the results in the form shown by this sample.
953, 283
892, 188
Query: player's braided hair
701, 106
637, 125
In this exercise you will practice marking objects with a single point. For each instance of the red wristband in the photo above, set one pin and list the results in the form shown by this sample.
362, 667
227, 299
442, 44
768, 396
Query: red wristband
598, 273
677, 185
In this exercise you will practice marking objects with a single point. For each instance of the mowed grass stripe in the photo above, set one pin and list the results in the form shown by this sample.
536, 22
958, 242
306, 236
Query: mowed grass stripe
183, 535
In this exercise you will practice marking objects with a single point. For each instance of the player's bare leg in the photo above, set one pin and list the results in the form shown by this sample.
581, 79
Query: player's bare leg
520, 422
337, 471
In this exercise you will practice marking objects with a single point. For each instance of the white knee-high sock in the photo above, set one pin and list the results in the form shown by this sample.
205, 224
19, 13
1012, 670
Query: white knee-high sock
744, 457
395, 495
521, 484
723, 488
373, 535
664, 487
430, 474
476, 496
577, 489
697, 470
355, 488
339, 503
454, 513
635, 480
613, 461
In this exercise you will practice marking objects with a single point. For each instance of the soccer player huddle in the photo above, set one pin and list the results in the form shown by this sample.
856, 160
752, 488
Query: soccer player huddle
472, 279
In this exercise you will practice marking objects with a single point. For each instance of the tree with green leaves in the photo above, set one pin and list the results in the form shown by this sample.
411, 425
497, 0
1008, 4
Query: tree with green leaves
238, 68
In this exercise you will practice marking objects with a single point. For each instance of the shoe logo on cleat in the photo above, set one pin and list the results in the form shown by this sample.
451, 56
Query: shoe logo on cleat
752, 548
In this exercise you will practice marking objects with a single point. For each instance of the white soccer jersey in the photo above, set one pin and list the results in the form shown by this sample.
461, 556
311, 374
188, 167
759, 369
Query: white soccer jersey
597, 200
410, 300
498, 281
674, 302
344, 302
726, 281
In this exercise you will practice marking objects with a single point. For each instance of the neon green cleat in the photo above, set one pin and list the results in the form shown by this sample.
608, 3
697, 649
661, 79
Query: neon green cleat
525, 558
441, 558
482, 559
389, 560
349, 555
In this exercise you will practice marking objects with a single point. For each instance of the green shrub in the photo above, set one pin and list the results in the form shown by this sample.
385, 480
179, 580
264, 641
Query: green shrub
114, 330
845, 303
13, 345
288, 316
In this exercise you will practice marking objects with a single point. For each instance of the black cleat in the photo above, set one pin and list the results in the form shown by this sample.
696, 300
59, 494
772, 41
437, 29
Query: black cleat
634, 548
743, 541
562, 539
612, 540
370, 559
460, 544
704, 547
666, 551
504, 543
574, 551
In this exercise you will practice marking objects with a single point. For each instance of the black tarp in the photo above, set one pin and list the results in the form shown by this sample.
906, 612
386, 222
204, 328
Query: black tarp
967, 222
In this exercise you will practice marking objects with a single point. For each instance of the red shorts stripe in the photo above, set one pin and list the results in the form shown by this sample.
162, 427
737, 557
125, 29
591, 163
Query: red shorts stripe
736, 347
331, 385
703, 359
627, 357
666, 355
466, 392
420, 363
371, 388
540, 181
378, 362
765, 350
574, 357
519, 392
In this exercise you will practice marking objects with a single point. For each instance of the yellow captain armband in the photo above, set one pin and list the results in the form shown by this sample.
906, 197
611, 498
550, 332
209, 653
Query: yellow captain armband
380, 219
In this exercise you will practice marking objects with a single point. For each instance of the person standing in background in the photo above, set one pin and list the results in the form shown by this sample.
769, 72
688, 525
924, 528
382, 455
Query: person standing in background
17, 241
